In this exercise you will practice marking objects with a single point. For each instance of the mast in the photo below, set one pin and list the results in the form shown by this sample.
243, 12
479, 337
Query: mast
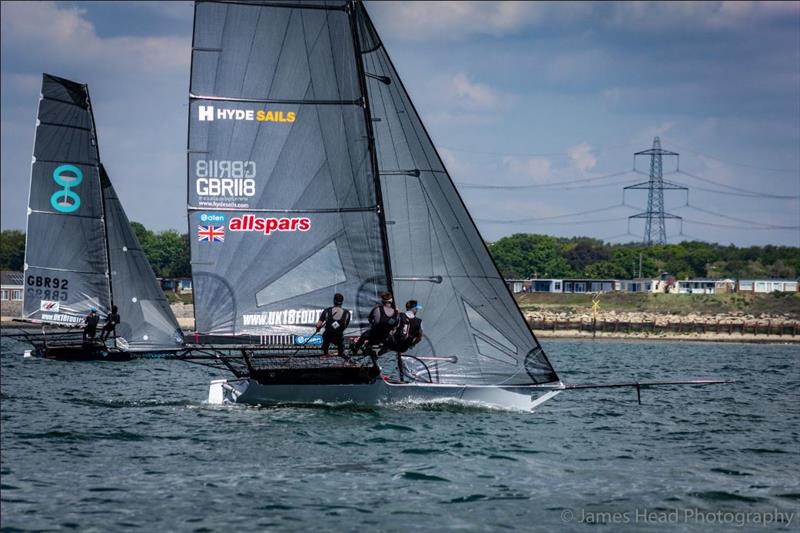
362, 81
102, 197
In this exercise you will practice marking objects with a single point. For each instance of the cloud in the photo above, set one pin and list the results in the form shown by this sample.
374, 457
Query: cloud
537, 168
581, 157
649, 16
473, 94
453, 20
64, 36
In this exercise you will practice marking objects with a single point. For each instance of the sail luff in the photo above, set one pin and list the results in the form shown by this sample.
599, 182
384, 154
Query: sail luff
102, 196
351, 13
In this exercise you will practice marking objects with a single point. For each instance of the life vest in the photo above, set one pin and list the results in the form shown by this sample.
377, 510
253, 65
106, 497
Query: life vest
91, 321
334, 325
385, 322
407, 330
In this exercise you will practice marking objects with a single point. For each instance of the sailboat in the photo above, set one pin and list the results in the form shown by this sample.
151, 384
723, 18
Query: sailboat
311, 173
81, 252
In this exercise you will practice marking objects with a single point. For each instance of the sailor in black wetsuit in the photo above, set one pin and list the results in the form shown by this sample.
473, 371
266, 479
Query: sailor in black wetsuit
408, 332
90, 325
335, 319
405, 336
111, 324
382, 319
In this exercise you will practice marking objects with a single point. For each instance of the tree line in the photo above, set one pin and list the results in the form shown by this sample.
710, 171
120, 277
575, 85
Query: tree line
523, 255
167, 251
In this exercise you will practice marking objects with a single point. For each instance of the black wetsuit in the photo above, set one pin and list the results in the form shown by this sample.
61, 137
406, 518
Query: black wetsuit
406, 335
111, 325
336, 320
90, 329
381, 325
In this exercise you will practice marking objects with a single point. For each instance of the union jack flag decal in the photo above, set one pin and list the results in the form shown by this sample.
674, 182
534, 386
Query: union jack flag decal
211, 233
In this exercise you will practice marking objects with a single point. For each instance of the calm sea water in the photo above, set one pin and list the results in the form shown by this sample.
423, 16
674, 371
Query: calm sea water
131, 446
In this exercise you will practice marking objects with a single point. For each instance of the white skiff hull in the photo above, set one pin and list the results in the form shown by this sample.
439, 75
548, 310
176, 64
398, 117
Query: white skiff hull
380, 392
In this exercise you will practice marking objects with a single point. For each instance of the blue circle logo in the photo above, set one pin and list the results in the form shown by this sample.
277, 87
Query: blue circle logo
66, 200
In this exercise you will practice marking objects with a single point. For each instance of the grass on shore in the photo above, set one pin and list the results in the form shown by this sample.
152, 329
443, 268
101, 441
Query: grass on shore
677, 304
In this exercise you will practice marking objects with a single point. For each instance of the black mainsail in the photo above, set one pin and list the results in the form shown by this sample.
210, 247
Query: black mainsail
310, 172
80, 249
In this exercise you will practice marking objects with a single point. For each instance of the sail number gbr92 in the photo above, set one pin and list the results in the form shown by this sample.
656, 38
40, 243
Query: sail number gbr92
47, 288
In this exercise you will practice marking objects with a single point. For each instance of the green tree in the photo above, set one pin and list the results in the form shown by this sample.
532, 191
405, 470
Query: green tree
12, 250
525, 255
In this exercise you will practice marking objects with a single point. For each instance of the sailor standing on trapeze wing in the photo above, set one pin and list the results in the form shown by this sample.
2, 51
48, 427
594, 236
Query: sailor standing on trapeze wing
335, 320
382, 319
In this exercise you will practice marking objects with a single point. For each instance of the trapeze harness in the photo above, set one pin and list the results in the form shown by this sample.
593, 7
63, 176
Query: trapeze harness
334, 327
381, 329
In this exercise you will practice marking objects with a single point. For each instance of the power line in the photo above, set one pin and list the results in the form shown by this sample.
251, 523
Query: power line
768, 169
700, 222
540, 185
733, 219
539, 219
530, 154
740, 189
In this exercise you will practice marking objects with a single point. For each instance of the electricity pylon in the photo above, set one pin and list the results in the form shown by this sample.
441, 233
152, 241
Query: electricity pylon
655, 231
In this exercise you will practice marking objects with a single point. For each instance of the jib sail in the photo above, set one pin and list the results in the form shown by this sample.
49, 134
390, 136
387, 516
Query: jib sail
282, 194
147, 322
65, 253
438, 257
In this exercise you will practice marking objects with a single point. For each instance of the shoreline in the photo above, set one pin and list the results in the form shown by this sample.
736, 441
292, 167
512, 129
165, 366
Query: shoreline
571, 334
574, 334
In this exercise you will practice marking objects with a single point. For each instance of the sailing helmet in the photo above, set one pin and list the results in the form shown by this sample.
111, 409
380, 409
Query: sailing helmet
338, 299
93, 310
386, 297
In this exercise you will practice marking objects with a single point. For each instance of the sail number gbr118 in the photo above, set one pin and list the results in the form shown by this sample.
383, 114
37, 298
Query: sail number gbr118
225, 178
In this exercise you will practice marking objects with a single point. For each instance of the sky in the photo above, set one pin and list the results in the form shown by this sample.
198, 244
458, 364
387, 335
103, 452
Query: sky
536, 108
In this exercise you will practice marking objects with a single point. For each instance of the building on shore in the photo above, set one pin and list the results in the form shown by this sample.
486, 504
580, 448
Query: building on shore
767, 285
651, 285
11, 286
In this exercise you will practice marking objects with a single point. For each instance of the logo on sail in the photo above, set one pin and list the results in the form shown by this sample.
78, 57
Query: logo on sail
210, 113
49, 306
268, 225
66, 200
211, 233
212, 217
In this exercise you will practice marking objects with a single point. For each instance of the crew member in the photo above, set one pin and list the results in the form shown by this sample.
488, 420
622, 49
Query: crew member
90, 325
111, 324
335, 320
382, 320
408, 332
